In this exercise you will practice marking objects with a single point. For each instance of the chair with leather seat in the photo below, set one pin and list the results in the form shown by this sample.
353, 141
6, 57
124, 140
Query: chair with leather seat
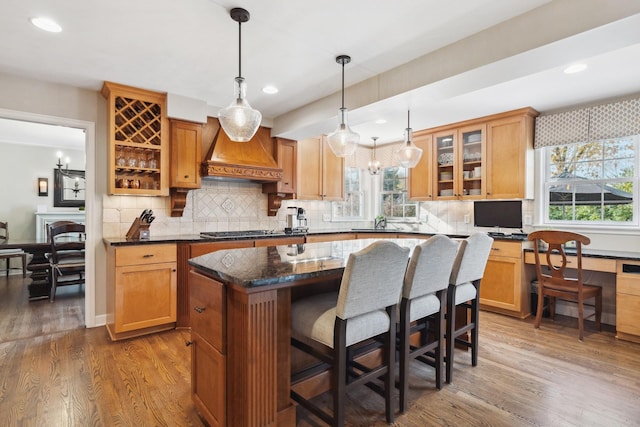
464, 292
9, 254
331, 326
67, 256
553, 281
422, 308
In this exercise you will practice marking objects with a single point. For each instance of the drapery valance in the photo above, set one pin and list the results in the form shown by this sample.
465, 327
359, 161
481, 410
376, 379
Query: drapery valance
610, 120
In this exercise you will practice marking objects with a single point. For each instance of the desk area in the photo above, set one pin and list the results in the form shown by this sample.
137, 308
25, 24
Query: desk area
624, 269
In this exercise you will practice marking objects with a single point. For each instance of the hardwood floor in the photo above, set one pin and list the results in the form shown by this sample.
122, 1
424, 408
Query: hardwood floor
524, 377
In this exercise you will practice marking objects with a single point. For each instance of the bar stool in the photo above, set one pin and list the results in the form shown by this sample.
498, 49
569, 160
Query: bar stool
464, 291
424, 302
329, 326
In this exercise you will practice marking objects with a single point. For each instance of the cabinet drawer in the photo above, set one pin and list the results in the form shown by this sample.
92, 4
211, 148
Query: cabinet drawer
145, 254
207, 302
508, 249
628, 285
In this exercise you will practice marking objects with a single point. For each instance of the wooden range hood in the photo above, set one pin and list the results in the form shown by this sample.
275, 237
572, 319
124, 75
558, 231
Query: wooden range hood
252, 160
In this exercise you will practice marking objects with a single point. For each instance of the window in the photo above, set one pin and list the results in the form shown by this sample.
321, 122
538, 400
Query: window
353, 206
394, 197
592, 182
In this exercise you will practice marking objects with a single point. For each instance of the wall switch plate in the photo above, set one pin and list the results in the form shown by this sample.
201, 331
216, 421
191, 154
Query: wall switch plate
466, 219
326, 217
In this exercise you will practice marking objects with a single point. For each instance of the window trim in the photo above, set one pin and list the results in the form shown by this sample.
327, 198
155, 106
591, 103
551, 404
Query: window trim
402, 219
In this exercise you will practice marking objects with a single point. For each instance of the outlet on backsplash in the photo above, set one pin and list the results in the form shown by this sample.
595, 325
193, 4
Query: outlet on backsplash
326, 217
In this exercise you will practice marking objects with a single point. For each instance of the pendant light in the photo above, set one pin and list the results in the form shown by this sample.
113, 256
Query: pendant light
374, 165
408, 155
239, 120
343, 142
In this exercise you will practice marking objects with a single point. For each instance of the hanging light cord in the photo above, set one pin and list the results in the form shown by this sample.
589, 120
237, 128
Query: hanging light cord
342, 85
240, 49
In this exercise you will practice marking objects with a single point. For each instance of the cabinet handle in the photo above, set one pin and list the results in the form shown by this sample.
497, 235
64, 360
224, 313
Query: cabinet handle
199, 309
147, 255
286, 183
188, 343
186, 177
495, 249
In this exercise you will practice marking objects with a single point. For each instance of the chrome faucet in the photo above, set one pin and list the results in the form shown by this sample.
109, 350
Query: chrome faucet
380, 222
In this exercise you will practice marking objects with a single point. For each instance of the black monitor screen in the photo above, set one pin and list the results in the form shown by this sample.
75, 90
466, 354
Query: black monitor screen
502, 213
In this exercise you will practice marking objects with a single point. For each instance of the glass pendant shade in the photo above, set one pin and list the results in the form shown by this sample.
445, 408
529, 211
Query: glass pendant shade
239, 120
408, 155
374, 165
343, 142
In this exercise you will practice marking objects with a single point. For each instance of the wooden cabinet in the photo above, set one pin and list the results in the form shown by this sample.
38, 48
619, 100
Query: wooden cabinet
420, 177
208, 348
138, 161
510, 156
329, 237
286, 154
321, 173
628, 300
141, 289
459, 161
186, 143
503, 288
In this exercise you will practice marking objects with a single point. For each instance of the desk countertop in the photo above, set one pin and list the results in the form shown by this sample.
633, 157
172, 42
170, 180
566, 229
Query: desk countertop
605, 254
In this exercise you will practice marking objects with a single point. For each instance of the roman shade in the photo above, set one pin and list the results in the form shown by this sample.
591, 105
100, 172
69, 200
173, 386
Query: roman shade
611, 120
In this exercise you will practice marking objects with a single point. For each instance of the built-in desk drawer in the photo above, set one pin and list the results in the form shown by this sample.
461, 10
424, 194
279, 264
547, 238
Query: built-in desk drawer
207, 302
588, 263
508, 249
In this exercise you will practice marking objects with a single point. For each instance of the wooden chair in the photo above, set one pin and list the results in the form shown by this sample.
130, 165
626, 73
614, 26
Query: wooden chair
66, 259
330, 326
423, 306
8, 254
552, 279
464, 291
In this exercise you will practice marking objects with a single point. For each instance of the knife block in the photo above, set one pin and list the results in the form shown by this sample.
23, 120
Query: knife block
138, 231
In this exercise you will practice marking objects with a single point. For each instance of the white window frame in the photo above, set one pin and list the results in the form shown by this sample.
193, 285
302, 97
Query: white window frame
337, 207
407, 202
546, 182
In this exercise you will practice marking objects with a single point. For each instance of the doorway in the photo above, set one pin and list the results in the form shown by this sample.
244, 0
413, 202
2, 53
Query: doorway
93, 230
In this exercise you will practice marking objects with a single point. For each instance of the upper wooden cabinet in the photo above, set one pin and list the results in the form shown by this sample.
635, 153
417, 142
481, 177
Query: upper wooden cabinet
138, 141
286, 154
321, 173
510, 156
186, 145
420, 177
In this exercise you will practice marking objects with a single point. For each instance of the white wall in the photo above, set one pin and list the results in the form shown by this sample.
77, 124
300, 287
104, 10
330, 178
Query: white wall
20, 191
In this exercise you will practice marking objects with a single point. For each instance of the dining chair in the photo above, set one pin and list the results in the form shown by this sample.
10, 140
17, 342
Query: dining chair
553, 281
9, 254
464, 292
330, 326
66, 259
422, 308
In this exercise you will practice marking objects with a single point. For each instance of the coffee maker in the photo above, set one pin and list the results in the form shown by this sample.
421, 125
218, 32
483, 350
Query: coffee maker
296, 221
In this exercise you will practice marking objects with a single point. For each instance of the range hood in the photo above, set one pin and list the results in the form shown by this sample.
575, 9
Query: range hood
252, 160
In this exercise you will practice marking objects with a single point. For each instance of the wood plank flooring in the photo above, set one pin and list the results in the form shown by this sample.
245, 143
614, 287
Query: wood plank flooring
524, 377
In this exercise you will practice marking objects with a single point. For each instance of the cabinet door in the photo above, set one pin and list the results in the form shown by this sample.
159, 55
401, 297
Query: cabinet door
500, 285
332, 174
470, 176
310, 169
208, 381
186, 143
509, 162
145, 296
420, 183
287, 156
444, 155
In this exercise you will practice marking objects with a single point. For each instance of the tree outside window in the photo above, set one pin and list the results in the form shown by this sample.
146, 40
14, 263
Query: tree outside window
394, 197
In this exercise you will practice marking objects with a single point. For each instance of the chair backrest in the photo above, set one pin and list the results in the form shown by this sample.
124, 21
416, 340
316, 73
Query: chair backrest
4, 231
66, 236
372, 279
556, 240
430, 267
471, 259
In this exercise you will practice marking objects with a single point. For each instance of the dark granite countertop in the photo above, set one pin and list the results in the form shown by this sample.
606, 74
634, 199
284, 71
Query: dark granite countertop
273, 265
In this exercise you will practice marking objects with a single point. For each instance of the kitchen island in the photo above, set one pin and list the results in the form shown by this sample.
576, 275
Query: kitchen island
241, 326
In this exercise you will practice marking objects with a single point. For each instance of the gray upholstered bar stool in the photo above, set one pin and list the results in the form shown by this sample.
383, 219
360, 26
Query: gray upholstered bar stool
330, 325
422, 308
464, 291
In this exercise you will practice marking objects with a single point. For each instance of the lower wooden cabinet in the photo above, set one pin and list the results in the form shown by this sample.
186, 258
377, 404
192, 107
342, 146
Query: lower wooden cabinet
503, 288
628, 300
141, 289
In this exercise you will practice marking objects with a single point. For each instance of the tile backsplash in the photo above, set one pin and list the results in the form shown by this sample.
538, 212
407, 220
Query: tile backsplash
229, 206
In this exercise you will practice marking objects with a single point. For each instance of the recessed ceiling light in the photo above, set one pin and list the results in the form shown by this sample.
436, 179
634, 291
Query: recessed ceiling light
46, 24
381, 121
270, 89
575, 68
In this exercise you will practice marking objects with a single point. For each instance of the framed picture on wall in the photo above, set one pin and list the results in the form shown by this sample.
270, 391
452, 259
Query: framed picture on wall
69, 188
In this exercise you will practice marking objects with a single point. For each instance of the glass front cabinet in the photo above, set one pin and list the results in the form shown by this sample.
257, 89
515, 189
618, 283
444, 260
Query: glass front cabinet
460, 163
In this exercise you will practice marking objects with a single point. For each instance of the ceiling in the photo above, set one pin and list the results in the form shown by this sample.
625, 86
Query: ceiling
445, 61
